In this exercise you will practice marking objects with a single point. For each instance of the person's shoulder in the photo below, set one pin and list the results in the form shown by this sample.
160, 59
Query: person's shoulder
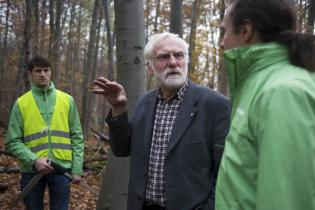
207, 93
290, 77
63, 92
25, 94
66, 96
148, 95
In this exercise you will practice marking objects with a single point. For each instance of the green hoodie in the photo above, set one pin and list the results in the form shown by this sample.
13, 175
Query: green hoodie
269, 157
45, 100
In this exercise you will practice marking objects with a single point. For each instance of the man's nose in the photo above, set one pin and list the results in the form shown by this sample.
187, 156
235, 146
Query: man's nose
172, 60
42, 72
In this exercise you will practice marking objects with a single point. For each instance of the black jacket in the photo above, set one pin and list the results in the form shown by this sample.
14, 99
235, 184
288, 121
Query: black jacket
193, 154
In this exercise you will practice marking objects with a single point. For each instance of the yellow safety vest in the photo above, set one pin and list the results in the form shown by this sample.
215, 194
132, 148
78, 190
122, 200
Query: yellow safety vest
38, 136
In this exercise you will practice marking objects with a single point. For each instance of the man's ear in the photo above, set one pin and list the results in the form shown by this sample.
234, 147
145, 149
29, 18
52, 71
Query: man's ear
248, 33
150, 69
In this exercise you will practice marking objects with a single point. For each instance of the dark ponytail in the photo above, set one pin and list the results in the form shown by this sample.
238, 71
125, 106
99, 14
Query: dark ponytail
301, 48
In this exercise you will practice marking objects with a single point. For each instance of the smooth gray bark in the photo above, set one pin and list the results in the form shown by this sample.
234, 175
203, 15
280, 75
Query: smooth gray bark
131, 74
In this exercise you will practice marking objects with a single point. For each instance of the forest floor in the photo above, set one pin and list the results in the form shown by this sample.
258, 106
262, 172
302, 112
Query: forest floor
81, 199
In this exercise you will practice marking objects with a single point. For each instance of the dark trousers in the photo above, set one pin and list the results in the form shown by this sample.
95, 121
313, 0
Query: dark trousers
153, 207
59, 191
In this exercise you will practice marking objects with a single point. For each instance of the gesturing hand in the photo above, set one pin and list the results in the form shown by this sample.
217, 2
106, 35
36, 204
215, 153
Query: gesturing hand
113, 92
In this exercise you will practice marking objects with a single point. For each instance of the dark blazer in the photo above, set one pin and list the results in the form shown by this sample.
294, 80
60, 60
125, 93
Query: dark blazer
193, 154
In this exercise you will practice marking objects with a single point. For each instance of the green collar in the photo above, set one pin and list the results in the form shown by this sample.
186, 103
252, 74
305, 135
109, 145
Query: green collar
241, 62
37, 90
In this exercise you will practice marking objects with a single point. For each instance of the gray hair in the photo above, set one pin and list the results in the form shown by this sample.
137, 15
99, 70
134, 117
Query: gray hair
156, 38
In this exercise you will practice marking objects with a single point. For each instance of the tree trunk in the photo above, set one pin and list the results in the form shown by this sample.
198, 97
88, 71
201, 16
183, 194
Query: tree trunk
89, 69
110, 44
77, 51
311, 17
35, 39
223, 80
4, 53
70, 50
110, 55
57, 40
150, 80
157, 13
131, 74
55, 11
192, 36
301, 7
25, 54
44, 12
176, 22
51, 28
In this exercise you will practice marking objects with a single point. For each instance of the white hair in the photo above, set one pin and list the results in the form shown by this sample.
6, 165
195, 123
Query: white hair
156, 38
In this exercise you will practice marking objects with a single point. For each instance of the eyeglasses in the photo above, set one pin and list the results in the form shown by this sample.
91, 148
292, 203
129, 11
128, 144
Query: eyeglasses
166, 56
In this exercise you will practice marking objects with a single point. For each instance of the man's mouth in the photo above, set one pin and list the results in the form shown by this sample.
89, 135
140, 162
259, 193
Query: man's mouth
174, 73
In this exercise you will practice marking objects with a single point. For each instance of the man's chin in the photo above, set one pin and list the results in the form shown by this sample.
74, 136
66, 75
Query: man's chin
42, 85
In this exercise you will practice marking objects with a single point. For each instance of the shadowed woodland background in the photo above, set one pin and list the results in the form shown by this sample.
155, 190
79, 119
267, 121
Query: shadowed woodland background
84, 39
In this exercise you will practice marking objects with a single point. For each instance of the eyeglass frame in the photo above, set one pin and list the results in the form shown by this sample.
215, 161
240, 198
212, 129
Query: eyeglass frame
162, 57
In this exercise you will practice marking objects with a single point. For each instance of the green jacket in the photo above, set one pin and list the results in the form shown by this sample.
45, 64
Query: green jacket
269, 157
45, 100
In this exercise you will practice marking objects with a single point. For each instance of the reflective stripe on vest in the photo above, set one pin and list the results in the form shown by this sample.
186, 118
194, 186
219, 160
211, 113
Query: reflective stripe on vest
38, 136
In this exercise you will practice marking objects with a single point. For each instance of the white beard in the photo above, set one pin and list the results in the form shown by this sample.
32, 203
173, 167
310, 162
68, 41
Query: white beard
169, 81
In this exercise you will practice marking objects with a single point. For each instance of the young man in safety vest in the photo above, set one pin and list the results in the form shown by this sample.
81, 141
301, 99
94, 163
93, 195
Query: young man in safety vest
44, 125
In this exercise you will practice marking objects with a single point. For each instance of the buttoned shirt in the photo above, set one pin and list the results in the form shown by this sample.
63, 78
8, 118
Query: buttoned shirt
165, 115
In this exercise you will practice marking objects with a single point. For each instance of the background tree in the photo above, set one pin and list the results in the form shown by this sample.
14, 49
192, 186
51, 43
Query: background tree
21, 78
311, 16
129, 23
3, 55
55, 11
89, 68
223, 84
192, 36
176, 25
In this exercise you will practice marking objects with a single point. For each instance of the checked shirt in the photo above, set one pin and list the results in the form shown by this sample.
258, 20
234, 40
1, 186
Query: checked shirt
165, 115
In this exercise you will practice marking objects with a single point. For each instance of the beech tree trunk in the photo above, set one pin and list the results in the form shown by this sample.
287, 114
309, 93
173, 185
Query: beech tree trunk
131, 74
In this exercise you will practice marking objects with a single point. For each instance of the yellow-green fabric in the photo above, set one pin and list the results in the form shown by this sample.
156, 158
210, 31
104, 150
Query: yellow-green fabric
45, 100
39, 136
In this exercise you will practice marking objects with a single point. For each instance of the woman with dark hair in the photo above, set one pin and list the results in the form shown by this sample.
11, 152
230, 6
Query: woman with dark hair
268, 160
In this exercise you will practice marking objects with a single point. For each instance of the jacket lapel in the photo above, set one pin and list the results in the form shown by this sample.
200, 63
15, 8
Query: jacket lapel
185, 115
150, 105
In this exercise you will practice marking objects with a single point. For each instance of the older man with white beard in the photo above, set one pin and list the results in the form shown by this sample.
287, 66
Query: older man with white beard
176, 135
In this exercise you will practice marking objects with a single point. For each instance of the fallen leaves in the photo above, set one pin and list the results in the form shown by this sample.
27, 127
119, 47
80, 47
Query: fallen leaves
81, 199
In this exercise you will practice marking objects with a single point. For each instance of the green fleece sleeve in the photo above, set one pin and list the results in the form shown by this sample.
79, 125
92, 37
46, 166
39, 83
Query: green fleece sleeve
14, 139
77, 142
285, 131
